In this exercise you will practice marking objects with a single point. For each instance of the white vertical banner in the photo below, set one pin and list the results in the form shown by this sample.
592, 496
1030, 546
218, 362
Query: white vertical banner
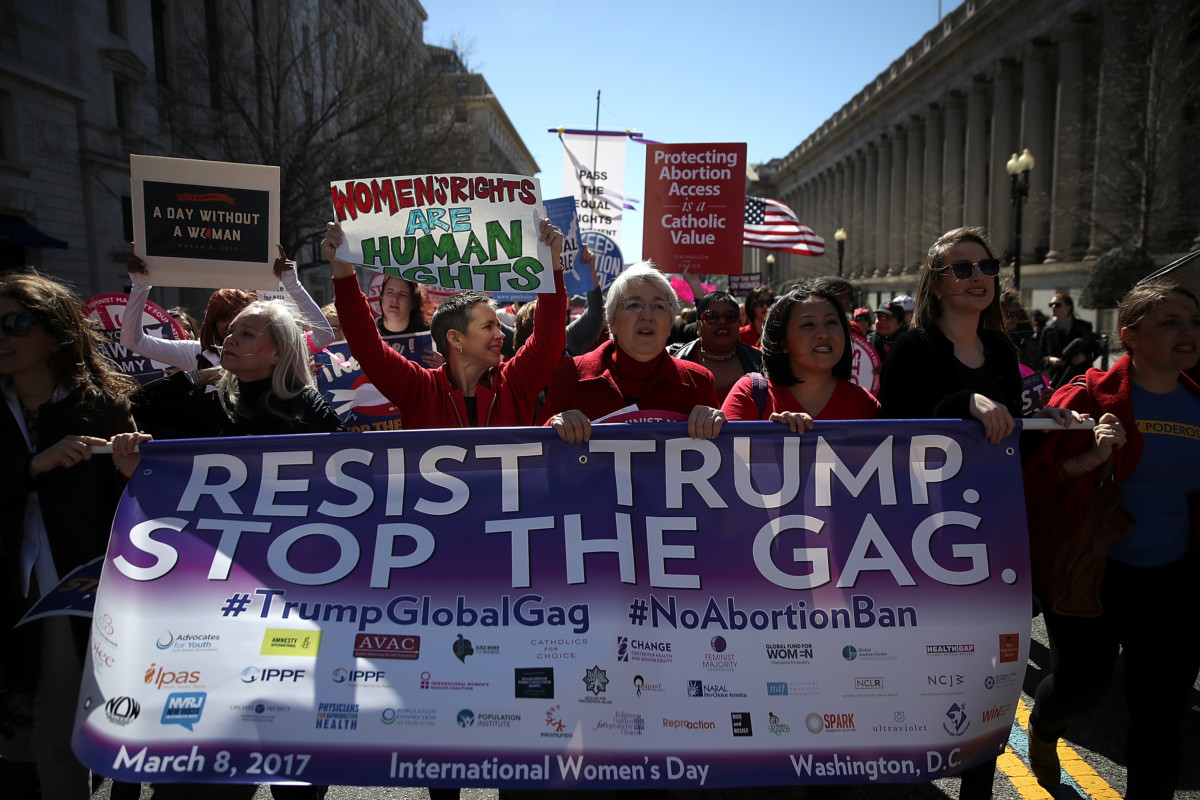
594, 174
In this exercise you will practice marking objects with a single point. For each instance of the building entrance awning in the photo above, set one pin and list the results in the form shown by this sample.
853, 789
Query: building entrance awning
19, 232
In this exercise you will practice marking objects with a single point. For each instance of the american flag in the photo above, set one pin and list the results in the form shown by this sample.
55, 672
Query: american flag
771, 225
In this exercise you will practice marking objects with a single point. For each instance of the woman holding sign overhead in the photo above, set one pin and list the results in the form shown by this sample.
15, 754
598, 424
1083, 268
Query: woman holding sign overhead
202, 356
473, 389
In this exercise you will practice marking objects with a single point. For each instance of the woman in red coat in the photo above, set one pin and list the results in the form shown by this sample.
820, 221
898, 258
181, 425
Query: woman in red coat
807, 361
1148, 411
634, 367
472, 389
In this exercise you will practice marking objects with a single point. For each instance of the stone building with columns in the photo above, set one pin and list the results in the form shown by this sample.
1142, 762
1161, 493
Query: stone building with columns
1102, 92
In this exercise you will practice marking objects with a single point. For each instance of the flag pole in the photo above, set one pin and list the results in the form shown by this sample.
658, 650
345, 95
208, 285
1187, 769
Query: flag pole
1174, 265
596, 145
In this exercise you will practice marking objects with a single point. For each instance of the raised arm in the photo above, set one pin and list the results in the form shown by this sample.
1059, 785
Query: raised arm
310, 312
180, 354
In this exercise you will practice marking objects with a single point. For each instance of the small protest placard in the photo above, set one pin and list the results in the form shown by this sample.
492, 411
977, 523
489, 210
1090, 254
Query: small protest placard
205, 223
609, 261
576, 276
348, 389
106, 313
460, 232
695, 207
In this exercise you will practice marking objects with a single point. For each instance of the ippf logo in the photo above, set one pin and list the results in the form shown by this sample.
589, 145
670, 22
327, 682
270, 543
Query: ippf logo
160, 677
254, 674
359, 677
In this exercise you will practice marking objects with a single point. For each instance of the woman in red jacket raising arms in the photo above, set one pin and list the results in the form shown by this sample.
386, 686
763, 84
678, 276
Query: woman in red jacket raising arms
472, 389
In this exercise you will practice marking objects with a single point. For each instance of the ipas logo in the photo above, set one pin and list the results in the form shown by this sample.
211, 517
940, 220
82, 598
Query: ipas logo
158, 677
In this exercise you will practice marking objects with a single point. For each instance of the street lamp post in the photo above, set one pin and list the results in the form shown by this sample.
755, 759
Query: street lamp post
770, 278
840, 235
1019, 167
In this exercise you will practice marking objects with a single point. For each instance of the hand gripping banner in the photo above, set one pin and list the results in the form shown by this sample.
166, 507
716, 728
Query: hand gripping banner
497, 608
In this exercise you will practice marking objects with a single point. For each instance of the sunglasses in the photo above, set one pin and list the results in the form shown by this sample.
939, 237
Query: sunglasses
990, 267
1055, 305
17, 323
764, 303
717, 316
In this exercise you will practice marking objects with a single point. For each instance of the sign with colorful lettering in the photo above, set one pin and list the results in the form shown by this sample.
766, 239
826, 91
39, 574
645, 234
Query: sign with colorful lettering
456, 231
106, 314
494, 607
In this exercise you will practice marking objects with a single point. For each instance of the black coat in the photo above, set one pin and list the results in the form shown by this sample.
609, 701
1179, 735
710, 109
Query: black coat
77, 506
1079, 339
920, 376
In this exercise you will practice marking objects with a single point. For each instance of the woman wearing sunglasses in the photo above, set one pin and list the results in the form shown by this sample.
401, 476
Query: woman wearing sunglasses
717, 347
957, 361
758, 303
61, 398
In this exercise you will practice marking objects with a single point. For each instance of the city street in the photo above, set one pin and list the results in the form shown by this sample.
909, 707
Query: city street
1098, 772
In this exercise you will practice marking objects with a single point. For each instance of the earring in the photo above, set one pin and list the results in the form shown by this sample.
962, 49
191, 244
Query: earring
460, 349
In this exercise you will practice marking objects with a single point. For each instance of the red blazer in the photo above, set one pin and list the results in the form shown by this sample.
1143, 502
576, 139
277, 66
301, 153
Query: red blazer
428, 398
584, 383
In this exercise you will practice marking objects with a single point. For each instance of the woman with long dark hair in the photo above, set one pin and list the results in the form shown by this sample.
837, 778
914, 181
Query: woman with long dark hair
807, 363
57, 500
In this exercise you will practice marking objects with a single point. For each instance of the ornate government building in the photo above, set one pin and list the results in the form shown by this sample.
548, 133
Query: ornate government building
1103, 93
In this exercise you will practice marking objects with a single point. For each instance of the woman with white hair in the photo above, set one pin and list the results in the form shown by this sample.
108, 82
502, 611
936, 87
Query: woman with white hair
634, 367
267, 387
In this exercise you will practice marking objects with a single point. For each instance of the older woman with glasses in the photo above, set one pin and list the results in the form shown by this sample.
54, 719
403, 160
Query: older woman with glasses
718, 348
634, 367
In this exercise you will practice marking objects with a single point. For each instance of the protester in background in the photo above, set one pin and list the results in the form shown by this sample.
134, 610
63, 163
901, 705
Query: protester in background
204, 355
472, 388
718, 348
583, 331
402, 307
634, 367
958, 362
1020, 330
890, 322
807, 361
845, 293
1068, 343
329, 311
862, 316
1146, 407
758, 303
183, 318
908, 304
62, 397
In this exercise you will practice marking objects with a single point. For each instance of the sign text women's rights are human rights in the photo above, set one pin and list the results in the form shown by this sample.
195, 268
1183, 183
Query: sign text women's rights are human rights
468, 231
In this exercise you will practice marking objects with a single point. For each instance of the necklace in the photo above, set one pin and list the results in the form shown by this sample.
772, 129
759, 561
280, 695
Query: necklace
706, 355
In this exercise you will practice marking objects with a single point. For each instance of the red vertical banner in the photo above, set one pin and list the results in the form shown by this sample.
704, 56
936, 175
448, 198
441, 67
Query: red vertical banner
695, 207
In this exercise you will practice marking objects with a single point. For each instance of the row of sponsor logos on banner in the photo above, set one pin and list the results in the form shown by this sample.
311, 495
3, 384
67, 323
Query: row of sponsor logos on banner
185, 698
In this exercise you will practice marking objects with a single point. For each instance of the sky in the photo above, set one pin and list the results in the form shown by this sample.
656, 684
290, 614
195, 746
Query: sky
763, 72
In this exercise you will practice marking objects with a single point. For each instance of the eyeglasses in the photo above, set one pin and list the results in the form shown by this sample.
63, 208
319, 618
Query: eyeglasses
717, 316
765, 303
989, 267
638, 306
17, 323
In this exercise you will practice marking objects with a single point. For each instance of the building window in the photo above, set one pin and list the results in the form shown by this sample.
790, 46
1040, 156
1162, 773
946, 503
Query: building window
212, 31
116, 17
158, 31
8, 134
123, 105
127, 217
461, 87
460, 113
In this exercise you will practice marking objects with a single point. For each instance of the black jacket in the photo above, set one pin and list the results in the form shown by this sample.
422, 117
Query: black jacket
920, 376
1067, 343
750, 357
171, 403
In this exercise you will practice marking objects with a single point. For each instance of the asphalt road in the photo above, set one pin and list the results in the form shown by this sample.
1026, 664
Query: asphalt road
1098, 739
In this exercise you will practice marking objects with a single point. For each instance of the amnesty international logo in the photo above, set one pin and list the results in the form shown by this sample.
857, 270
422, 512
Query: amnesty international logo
596, 680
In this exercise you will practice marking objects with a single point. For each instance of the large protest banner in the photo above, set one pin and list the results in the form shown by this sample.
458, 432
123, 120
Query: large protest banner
205, 224
494, 607
594, 175
695, 207
460, 232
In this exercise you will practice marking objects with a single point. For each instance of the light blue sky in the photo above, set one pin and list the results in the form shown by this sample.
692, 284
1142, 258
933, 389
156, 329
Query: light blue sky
766, 73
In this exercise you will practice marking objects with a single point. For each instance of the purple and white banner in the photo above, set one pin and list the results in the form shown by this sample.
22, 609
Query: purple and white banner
497, 608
